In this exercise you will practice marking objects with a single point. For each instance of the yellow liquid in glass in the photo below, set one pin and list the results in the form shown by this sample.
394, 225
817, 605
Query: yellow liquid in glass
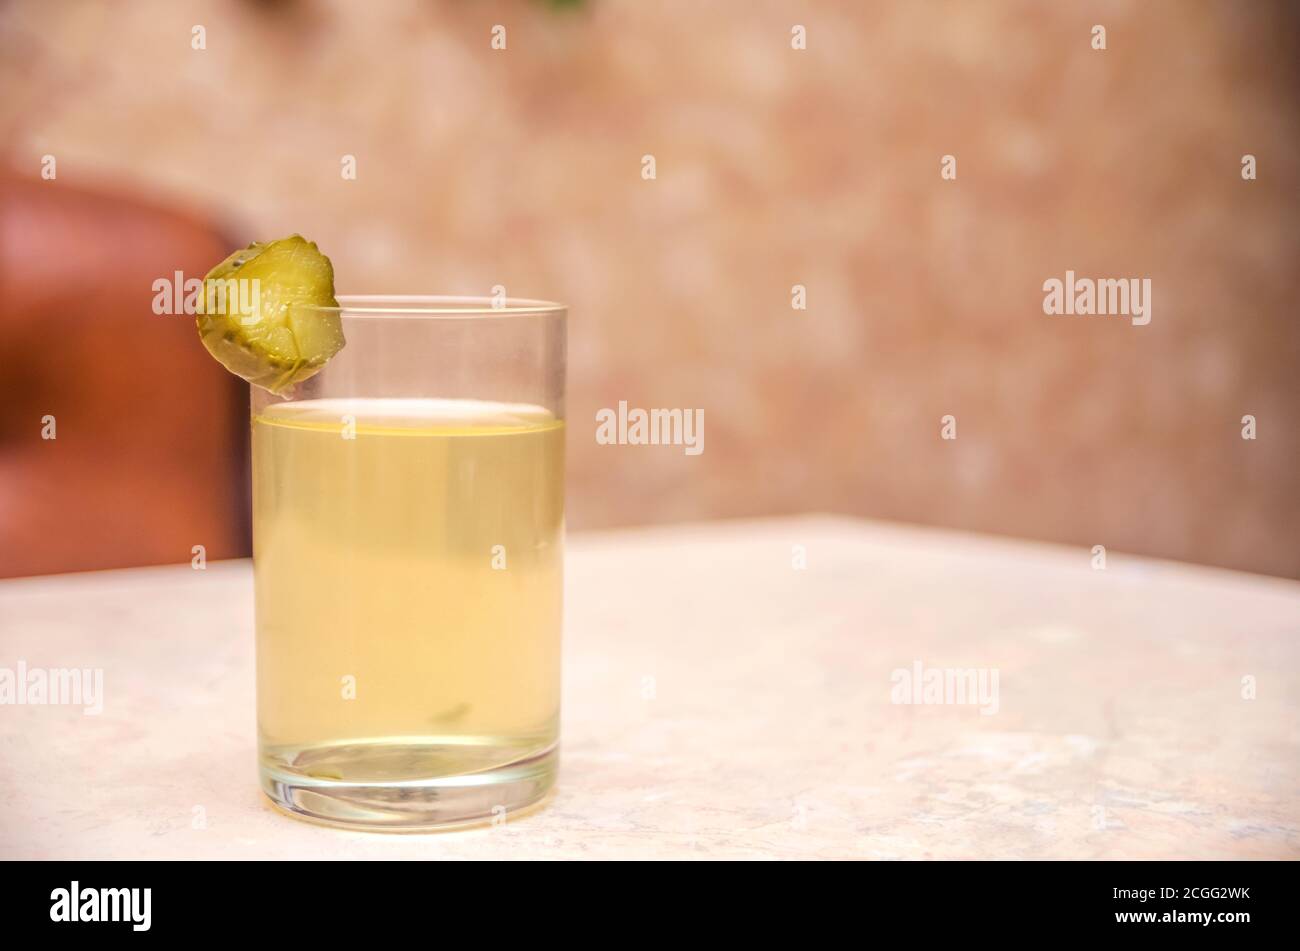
408, 560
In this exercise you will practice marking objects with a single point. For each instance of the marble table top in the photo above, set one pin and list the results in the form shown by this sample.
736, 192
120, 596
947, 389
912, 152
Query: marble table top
809, 687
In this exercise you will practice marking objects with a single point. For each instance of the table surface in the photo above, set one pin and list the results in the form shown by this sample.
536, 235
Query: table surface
720, 701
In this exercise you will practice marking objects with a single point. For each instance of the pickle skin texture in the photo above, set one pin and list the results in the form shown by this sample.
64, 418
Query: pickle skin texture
280, 343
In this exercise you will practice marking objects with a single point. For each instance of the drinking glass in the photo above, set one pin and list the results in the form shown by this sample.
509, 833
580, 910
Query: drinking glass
408, 532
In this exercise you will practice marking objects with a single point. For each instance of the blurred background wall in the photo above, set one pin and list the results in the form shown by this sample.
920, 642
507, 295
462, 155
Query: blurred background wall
821, 167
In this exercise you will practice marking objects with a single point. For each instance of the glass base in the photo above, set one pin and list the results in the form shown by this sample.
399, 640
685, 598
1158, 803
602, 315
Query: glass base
386, 803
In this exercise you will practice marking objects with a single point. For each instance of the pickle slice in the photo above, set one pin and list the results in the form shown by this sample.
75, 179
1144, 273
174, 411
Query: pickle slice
258, 314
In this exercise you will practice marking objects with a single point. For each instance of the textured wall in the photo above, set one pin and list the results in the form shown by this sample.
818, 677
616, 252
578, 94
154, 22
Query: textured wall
777, 167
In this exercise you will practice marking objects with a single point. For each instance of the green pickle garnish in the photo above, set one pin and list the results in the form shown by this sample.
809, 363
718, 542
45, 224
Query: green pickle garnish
260, 313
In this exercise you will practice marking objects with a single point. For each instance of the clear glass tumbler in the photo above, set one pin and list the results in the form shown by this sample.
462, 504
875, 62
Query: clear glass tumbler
408, 534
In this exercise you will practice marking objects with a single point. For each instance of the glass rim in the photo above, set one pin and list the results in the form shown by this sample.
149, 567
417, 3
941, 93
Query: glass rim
441, 306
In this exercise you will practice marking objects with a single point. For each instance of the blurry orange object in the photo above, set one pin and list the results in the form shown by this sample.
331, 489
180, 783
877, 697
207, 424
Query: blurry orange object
148, 457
